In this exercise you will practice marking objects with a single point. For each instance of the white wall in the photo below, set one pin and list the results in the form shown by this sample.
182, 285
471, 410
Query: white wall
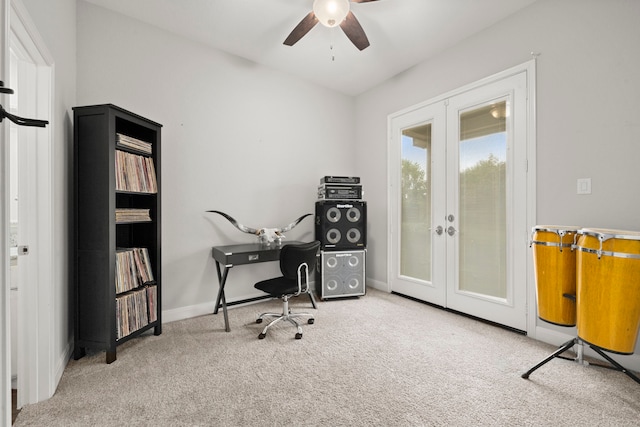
236, 137
588, 122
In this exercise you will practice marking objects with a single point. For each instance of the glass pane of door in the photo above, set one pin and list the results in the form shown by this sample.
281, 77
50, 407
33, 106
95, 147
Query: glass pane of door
482, 200
415, 206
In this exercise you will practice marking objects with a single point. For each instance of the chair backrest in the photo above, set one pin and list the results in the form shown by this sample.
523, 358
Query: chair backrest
292, 256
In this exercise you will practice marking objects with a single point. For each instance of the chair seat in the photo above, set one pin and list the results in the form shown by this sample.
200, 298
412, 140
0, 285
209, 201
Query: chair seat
297, 262
278, 286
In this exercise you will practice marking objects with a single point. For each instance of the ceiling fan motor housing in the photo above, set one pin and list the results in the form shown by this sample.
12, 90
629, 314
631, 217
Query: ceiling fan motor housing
331, 13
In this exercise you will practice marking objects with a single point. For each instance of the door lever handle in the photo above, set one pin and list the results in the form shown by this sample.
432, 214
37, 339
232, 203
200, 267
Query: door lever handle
439, 230
451, 230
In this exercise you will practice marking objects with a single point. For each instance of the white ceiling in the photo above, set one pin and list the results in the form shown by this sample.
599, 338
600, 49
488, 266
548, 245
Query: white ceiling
402, 33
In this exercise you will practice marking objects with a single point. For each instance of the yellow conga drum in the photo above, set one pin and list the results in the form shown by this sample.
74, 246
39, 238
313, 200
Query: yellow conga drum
608, 288
555, 273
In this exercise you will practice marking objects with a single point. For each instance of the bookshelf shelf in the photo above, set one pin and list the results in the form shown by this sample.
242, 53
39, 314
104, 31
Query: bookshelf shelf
116, 235
132, 222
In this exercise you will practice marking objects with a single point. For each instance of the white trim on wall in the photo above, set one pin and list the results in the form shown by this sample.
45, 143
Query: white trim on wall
532, 118
37, 379
5, 346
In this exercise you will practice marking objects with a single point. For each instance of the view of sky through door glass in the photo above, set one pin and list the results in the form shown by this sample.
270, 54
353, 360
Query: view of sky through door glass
482, 200
415, 225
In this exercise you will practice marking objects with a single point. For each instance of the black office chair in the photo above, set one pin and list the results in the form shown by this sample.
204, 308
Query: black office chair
297, 262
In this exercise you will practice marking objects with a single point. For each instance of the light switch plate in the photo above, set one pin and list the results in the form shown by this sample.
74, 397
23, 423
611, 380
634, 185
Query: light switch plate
584, 185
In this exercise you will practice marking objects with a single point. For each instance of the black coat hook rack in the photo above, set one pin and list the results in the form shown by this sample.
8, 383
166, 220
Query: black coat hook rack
15, 119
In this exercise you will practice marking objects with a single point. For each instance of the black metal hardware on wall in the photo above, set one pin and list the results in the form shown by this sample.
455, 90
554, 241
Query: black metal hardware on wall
15, 119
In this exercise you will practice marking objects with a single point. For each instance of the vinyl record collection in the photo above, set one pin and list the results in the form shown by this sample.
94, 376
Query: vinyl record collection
341, 228
132, 215
137, 293
132, 310
133, 268
135, 173
126, 141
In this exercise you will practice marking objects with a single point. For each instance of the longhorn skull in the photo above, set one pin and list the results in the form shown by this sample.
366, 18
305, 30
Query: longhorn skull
265, 235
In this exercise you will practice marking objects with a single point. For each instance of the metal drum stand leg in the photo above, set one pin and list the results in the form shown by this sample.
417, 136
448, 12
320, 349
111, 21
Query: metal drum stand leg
564, 347
576, 341
616, 365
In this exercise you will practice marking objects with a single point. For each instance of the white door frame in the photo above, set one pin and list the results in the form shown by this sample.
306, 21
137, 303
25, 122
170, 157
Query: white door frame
5, 350
36, 379
530, 68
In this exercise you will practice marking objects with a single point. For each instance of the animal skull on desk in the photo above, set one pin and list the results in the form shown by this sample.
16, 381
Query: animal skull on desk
265, 235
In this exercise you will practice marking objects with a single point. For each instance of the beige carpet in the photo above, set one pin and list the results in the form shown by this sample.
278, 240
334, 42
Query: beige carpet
379, 360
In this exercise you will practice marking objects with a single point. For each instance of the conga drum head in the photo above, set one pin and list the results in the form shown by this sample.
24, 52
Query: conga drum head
608, 288
610, 241
555, 273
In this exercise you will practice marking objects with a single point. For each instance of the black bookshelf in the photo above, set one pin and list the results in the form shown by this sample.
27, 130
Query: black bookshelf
97, 235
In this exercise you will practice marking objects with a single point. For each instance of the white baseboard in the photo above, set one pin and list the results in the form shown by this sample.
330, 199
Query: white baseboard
203, 309
376, 284
187, 312
60, 366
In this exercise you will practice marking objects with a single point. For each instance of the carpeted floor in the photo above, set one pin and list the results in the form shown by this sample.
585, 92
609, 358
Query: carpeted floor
378, 360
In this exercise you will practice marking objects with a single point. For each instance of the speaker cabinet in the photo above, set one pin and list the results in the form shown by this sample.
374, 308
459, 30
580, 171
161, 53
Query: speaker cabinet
341, 224
341, 274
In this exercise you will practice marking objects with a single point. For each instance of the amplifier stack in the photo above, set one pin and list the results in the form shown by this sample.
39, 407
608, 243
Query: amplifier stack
341, 228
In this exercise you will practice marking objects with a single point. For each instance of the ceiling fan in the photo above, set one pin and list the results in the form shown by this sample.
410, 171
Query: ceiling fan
332, 13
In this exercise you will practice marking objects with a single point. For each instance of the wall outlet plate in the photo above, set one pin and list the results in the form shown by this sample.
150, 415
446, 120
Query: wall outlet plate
584, 185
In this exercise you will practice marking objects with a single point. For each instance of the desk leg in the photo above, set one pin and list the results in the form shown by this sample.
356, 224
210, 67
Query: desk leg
313, 300
222, 280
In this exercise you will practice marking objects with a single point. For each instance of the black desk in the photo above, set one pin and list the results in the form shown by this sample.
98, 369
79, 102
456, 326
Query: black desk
250, 253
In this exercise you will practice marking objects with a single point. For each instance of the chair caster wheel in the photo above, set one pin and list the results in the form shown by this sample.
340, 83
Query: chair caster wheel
298, 336
258, 320
261, 336
310, 321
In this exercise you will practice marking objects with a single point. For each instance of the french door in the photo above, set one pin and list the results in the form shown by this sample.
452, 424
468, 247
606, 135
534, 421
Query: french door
458, 201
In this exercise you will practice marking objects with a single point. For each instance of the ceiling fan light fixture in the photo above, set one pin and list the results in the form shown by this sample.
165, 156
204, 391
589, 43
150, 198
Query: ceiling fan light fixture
331, 13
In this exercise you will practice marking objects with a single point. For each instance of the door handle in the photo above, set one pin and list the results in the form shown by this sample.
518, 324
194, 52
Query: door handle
451, 230
439, 230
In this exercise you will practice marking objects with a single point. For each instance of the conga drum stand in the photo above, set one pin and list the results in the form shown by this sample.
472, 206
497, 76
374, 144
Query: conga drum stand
579, 358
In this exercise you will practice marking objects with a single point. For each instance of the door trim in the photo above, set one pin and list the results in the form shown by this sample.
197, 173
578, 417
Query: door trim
5, 350
522, 235
36, 321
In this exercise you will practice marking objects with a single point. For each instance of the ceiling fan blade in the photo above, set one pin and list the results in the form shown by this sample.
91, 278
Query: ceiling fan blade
354, 31
307, 23
362, 1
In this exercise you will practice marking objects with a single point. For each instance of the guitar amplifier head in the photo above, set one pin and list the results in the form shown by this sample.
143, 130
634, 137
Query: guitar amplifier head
339, 192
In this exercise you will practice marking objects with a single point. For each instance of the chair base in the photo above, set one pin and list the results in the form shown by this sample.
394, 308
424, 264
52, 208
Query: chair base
286, 315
